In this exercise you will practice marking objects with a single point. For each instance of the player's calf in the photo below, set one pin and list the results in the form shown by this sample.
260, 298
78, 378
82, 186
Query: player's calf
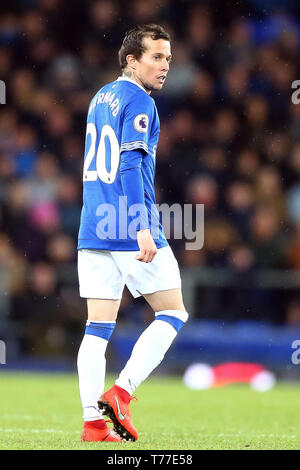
150, 348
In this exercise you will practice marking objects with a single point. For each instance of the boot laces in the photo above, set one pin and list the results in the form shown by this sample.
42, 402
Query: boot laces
134, 398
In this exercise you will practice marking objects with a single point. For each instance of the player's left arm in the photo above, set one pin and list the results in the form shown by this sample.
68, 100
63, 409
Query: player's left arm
132, 183
137, 122
133, 188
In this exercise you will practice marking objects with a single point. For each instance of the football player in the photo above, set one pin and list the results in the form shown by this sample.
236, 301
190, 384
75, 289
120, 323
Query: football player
121, 240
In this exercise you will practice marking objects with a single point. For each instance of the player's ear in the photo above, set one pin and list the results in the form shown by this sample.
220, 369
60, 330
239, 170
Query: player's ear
131, 60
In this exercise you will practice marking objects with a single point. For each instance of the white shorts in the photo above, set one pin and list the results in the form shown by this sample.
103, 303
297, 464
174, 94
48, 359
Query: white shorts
103, 274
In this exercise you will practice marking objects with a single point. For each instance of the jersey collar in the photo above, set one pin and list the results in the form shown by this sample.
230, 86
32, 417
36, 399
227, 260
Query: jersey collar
127, 79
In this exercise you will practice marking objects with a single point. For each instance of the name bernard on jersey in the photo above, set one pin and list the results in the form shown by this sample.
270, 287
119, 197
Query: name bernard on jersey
109, 98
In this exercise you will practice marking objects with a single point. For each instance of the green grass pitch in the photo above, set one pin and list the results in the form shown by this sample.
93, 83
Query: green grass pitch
42, 411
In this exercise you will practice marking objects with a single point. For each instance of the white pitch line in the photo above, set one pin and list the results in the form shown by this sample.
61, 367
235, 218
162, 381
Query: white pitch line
242, 435
18, 416
228, 435
59, 431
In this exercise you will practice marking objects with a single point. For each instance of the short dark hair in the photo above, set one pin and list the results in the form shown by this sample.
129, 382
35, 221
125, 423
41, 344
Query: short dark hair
133, 41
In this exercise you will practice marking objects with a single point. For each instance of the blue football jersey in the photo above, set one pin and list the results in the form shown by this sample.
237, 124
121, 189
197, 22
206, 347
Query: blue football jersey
121, 117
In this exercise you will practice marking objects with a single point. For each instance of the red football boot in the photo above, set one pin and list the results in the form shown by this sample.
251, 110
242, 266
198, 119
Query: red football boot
115, 404
94, 431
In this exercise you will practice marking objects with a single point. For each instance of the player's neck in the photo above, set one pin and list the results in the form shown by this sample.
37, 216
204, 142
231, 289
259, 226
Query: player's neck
128, 74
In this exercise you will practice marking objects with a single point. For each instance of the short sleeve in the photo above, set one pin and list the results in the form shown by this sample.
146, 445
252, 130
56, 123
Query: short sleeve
137, 122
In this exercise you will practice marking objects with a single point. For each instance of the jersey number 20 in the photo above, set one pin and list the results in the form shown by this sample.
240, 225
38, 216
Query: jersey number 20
101, 170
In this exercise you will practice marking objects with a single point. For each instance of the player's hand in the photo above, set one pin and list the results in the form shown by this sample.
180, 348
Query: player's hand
146, 245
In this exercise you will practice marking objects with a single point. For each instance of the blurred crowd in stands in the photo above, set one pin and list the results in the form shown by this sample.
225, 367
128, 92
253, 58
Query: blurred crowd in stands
230, 136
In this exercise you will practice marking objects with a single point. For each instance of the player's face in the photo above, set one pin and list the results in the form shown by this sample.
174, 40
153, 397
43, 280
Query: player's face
152, 68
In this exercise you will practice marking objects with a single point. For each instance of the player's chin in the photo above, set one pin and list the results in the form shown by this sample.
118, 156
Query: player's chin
158, 86
155, 86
